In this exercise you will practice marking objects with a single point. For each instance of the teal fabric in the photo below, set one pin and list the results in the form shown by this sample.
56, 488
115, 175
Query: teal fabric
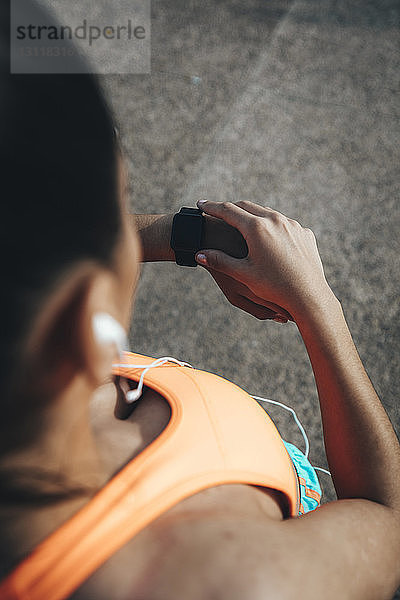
305, 470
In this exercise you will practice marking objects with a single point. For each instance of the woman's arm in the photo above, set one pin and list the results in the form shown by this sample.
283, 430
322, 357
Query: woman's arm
361, 446
283, 266
348, 548
155, 235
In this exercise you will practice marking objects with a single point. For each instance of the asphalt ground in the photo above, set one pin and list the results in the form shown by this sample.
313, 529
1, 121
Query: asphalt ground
294, 105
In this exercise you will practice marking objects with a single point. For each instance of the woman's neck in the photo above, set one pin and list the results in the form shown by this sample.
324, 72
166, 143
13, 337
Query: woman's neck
45, 483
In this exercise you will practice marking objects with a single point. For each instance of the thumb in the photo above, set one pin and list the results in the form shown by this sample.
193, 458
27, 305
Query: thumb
219, 261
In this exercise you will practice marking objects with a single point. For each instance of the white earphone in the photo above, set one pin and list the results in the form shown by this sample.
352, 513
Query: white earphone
108, 330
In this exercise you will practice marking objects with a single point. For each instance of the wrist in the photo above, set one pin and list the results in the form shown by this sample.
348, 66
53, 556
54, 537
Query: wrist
316, 308
164, 224
155, 233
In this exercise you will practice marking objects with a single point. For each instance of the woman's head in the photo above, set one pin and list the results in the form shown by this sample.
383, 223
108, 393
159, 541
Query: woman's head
63, 233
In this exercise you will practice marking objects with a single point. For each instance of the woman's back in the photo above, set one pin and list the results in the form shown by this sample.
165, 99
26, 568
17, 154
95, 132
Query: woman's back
217, 434
226, 518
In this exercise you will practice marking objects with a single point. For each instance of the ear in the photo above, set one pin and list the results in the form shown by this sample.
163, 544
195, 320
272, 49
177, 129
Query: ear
101, 335
63, 344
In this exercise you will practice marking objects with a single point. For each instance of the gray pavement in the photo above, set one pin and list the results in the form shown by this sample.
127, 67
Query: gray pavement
294, 105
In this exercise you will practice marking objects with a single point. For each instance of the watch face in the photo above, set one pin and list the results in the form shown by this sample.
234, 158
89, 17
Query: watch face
187, 232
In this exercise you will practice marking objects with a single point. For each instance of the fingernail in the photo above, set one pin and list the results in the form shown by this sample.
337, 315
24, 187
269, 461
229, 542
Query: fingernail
201, 258
201, 202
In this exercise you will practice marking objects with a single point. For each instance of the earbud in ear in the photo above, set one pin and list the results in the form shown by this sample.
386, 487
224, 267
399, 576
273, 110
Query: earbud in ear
107, 330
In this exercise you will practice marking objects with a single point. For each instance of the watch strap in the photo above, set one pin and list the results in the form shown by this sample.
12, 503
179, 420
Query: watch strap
185, 259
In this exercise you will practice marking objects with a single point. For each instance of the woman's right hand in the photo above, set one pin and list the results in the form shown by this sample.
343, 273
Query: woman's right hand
283, 266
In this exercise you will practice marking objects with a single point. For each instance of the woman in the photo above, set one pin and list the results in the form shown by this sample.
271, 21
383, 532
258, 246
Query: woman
70, 256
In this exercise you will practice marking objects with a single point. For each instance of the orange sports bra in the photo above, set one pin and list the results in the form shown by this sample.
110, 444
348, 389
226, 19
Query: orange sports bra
217, 434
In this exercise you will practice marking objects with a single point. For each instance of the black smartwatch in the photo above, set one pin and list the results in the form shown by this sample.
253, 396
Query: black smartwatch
187, 235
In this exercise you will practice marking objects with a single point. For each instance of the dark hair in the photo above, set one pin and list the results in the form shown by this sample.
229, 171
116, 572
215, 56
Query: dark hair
59, 206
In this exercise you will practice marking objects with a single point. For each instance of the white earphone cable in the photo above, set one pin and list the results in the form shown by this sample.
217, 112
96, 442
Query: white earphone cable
323, 471
133, 395
300, 426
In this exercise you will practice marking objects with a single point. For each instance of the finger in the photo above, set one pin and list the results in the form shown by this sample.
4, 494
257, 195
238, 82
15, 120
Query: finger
253, 208
230, 213
277, 217
219, 261
263, 211
275, 308
260, 211
225, 282
260, 312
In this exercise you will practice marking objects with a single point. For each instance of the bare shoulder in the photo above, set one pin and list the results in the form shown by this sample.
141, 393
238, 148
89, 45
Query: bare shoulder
345, 549
228, 555
219, 556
